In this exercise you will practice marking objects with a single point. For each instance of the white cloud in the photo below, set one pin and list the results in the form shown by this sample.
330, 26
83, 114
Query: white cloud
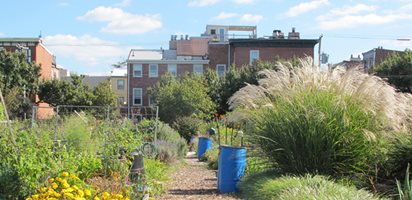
226, 15
305, 7
202, 3
86, 49
249, 18
121, 22
124, 3
243, 2
360, 14
348, 10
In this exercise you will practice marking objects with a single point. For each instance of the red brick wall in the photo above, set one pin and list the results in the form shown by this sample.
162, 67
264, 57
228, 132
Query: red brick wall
45, 60
241, 55
218, 54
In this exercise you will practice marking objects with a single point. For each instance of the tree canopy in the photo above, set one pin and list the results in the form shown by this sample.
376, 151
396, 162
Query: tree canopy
397, 70
185, 96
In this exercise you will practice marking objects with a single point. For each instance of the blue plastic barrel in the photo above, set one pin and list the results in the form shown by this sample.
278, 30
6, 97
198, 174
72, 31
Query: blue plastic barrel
203, 145
231, 167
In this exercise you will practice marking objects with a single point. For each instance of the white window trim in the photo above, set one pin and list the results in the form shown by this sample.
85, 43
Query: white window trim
250, 56
141, 96
198, 65
217, 69
151, 102
157, 71
141, 69
169, 67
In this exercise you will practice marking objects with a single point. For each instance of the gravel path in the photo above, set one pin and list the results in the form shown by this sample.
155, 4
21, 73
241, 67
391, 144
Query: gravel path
194, 181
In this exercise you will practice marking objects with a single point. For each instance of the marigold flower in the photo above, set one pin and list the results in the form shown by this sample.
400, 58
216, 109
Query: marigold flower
96, 198
51, 180
43, 189
65, 174
66, 185
87, 192
74, 177
54, 185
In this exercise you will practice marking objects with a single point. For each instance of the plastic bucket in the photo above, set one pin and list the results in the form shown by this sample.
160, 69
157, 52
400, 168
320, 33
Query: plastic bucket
231, 167
203, 145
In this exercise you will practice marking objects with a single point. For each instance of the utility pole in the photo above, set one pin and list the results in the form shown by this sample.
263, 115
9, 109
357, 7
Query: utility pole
320, 43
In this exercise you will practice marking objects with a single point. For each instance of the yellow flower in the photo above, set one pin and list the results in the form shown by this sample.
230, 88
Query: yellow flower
35, 196
75, 187
54, 185
65, 174
80, 193
66, 185
51, 180
59, 179
96, 198
43, 190
29, 198
68, 195
87, 192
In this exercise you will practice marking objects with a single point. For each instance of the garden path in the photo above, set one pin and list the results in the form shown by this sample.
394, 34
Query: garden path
194, 181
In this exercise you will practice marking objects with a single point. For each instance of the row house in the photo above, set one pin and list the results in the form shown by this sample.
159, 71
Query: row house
218, 48
376, 56
118, 80
36, 52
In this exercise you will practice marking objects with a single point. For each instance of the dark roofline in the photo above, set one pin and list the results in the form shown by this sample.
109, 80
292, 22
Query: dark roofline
19, 40
273, 42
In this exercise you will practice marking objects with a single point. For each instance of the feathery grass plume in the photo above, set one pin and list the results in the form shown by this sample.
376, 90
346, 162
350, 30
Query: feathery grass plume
373, 93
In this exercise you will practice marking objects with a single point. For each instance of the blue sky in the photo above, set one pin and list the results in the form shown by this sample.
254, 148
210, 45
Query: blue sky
87, 36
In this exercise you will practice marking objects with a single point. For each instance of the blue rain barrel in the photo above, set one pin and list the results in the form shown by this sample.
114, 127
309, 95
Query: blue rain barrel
231, 167
203, 145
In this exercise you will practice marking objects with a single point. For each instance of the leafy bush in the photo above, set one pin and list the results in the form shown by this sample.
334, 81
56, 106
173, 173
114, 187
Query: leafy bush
267, 185
399, 156
212, 157
188, 126
1, 112
156, 174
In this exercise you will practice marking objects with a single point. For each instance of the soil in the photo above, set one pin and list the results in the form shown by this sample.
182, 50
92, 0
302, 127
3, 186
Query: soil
194, 181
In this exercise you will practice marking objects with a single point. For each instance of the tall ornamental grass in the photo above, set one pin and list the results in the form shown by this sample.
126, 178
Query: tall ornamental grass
327, 122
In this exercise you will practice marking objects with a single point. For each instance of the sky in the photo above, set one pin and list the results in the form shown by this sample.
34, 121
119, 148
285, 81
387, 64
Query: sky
88, 36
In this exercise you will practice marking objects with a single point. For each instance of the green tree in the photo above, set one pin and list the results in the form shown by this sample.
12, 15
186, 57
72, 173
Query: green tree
58, 92
104, 95
397, 70
19, 81
186, 96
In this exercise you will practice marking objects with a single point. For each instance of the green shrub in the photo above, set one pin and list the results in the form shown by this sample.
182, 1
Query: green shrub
212, 157
316, 132
399, 156
189, 126
1, 112
156, 174
267, 185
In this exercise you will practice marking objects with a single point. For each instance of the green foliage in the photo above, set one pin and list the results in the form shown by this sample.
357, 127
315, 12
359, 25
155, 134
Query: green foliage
1, 112
186, 96
156, 174
399, 156
267, 185
405, 193
19, 82
189, 126
212, 157
104, 95
397, 69
59, 92
316, 132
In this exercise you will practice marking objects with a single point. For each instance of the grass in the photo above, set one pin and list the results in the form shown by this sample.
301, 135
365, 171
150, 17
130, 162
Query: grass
268, 185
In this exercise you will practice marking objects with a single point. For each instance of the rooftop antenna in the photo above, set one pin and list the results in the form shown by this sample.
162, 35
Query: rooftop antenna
40, 35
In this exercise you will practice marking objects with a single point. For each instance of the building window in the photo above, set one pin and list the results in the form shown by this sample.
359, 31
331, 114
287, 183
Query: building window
151, 101
137, 70
120, 84
212, 31
153, 70
198, 69
254, 55
120, 101
172, 69
137, 96
221, 69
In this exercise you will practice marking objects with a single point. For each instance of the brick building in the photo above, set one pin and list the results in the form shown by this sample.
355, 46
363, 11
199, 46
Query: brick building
36, 52
375, 57
218, 48
352, 63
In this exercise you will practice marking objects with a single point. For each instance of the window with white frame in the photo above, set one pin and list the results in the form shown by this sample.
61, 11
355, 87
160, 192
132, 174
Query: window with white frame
137, 96
254, 55
153, 70
120, 84
221, 69
137, 70
172, 69
198, 69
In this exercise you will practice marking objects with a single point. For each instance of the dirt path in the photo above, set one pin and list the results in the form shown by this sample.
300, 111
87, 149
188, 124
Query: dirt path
194, 181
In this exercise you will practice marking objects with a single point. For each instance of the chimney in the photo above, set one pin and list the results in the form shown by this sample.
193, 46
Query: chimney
181, 37
294, 35
187, 37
